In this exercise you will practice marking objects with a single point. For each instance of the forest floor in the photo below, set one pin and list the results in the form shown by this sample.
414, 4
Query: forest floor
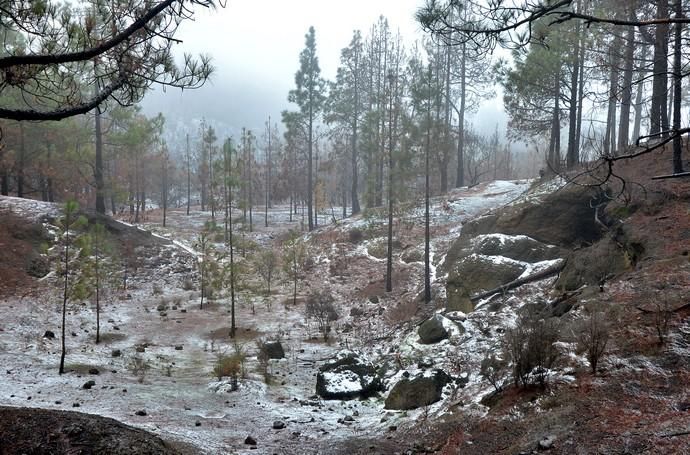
168, 345
176, 388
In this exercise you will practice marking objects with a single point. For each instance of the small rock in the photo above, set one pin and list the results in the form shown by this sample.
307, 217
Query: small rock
74, 334
141, 349
75, 405
87, 385
278, 425
349, 419
116, 328
163, 314
250, 441
546, 442
179, 347
141, 412
393, 428
58, 402
94, 371
116, 353
374, 299
197, 424
356, 312
183, 310
49, 334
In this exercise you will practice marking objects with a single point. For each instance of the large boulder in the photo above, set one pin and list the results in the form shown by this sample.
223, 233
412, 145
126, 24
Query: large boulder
422, 390
564, 218
347, 377
432, 330
477, 273
517, 247
272, 350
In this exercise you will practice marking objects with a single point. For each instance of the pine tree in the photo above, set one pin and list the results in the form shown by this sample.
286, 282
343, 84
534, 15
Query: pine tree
309, 95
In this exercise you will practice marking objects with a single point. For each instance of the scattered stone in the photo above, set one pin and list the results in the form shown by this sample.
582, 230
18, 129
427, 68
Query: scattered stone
374, 299
349, 419
94, 371
393, 428
58, 402
250, 441
278, 425
163, 314
116, 328
432, 331
116, 353
197, 424
179, 347
141, 412
183, 310
75, 405
546, 442
74, 334
141, 349
49, 334
88, 384
356, 312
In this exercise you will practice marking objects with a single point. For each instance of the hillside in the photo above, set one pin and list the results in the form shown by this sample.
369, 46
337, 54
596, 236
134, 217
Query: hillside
396, 375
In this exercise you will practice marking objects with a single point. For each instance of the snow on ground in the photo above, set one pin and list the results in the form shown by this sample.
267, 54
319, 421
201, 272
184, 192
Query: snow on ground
182, 342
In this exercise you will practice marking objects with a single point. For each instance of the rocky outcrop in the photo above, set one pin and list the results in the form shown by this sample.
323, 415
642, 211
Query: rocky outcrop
346, 378
422, 390
432, 331
25, 430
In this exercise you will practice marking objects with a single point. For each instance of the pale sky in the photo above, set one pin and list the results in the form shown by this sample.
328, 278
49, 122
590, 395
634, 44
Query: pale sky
255, 46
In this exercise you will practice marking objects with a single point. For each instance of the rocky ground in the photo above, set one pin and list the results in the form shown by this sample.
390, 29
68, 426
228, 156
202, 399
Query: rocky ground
396, 375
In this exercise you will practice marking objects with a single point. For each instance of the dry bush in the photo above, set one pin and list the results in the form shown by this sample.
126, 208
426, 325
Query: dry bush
530, 348
320, 307
231, 366
492, 370
662, 318
592, 338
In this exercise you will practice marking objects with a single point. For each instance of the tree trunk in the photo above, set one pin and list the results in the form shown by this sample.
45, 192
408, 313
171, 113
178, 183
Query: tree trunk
189, 176
555, 140
678, 94
98, 168
460, 174
572, 153
21, 161
658, 114
626, 95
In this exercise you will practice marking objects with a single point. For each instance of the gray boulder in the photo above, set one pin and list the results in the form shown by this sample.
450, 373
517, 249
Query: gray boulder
422, 390
272, 350
432, 331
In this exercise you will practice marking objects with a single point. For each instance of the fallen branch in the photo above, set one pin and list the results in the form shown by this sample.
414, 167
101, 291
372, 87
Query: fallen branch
677, 433
671, 176
553, 270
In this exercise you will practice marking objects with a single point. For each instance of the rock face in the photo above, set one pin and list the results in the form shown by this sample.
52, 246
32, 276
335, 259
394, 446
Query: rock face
24, 430
347, 377
422, 390
272, 350
432, 331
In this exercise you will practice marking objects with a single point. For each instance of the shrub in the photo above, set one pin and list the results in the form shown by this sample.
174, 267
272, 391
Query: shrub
491, 369
530, 348
355, 235
319, 306
593, 336
231, 366
187, 284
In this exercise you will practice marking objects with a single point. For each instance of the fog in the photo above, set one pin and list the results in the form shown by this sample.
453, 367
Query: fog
255, 48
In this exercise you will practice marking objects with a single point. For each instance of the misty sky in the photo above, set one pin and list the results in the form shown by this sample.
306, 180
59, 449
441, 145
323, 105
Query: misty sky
255, 46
